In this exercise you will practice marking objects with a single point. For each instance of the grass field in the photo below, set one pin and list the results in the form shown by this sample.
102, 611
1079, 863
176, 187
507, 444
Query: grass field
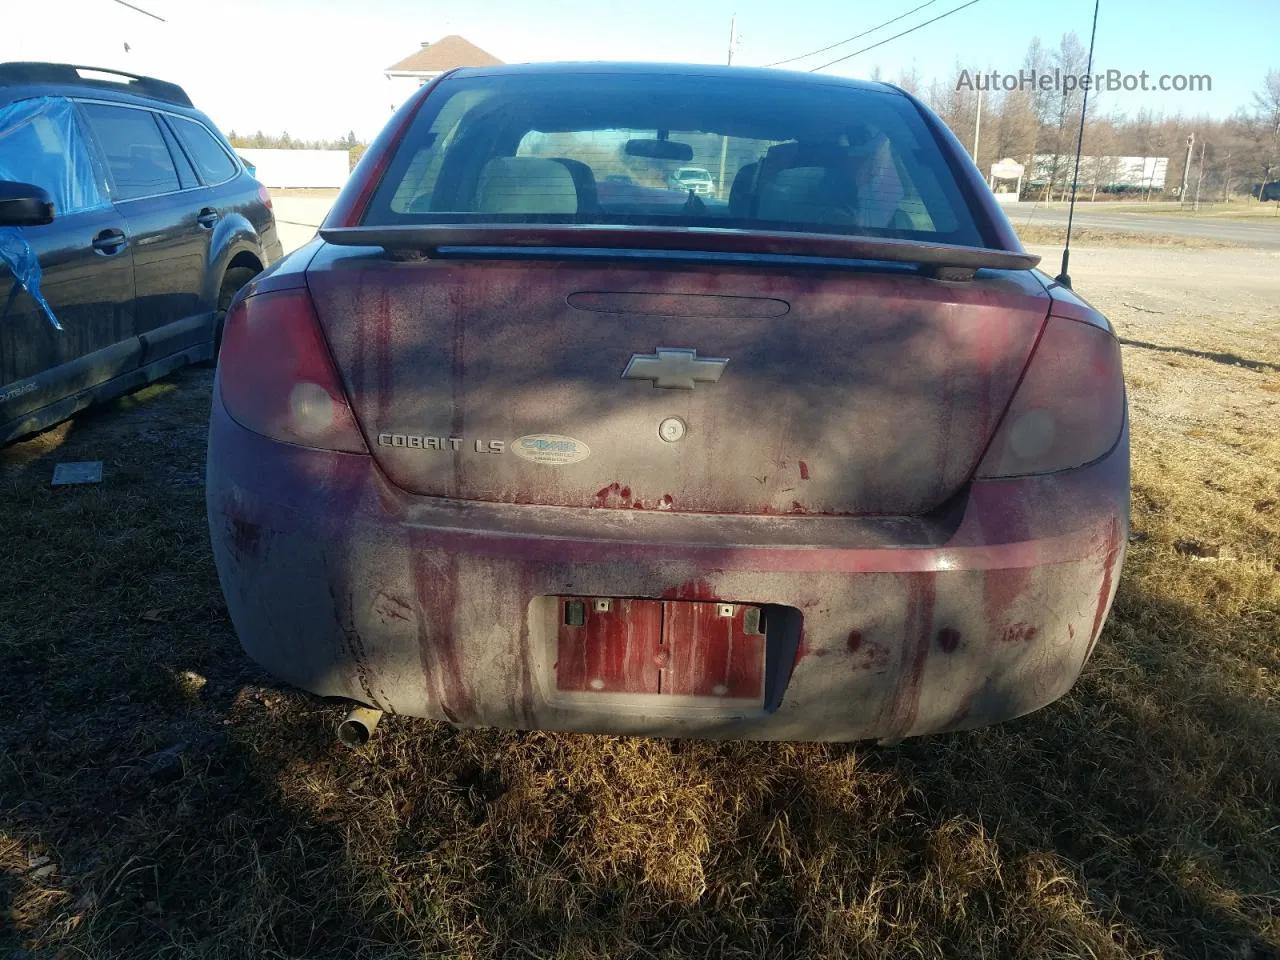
1236, 209
1052, 235
159, 798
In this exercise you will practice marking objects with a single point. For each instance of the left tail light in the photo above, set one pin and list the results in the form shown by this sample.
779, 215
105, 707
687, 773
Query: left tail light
277, 377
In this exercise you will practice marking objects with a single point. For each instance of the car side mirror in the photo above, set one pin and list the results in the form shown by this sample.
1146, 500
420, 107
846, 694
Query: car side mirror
24, 205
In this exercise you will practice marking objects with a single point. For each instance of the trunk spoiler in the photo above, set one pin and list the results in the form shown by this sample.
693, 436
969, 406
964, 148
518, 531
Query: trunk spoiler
942, 260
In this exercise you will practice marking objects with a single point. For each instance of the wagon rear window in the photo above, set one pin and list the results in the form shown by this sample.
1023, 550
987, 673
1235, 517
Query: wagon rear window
750, 153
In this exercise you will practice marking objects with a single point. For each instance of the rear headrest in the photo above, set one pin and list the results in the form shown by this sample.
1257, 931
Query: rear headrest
525, 185
795, 154
743, 190
808, 183
584, 181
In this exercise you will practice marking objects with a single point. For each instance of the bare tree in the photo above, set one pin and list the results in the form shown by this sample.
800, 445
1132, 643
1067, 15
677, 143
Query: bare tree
909, 80
1016, 126
1266, 115
1036, 63
1101, 167
1070, 58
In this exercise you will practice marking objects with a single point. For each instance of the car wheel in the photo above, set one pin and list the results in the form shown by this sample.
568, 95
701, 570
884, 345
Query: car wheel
234, 279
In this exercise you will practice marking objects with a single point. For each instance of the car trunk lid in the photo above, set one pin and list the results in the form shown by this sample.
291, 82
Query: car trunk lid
724, 387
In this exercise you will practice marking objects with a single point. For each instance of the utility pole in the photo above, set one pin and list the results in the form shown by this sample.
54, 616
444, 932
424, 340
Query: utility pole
977, 126
1200, 175
724, 140
1186, 168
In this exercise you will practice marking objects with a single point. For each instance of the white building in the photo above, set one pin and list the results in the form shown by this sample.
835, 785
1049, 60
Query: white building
431, 60
1113, 173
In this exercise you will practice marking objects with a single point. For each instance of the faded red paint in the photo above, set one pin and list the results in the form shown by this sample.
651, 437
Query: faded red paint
382, 350
616, 496
698, 589
871, 657
1104, 591
245, 534
854, 641
917, 634
1019, 632
804, 470
436, 585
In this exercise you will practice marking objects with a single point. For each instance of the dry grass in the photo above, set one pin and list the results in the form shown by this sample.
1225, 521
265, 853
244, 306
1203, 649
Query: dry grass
1053, 234
189, 809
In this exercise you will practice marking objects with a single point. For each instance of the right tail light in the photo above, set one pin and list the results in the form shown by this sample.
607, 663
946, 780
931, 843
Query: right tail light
1069, 408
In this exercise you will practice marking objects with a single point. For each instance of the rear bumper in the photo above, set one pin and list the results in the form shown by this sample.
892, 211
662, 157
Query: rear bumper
343, 585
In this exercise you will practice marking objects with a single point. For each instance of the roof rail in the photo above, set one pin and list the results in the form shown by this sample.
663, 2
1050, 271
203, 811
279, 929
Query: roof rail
70, 73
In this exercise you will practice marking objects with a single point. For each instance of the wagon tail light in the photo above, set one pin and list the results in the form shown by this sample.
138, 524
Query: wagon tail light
277, 377
1069, 408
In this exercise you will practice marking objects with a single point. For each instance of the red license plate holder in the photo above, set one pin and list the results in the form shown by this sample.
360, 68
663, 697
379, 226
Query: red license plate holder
671, 648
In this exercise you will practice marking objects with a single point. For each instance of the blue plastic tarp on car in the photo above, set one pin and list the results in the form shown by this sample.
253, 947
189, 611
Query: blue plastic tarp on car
40, 143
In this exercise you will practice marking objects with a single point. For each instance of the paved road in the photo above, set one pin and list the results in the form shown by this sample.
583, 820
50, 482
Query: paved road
298, 216
1264, 232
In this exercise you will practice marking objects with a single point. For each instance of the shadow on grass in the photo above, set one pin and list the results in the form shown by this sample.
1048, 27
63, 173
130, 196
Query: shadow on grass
1230, 359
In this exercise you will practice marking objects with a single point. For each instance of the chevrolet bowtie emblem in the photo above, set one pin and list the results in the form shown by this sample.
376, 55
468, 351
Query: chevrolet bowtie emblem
674, 369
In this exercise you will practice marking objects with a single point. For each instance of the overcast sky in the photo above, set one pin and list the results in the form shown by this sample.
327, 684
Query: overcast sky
314, 67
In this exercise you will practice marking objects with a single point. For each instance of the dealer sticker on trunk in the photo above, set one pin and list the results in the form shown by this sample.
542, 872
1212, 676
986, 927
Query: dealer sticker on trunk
551, 449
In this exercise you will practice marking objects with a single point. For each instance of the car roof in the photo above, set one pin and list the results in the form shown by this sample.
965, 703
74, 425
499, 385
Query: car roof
24, 80
607, 68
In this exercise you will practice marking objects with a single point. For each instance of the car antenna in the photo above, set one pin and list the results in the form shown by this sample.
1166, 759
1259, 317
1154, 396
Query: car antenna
1064, 278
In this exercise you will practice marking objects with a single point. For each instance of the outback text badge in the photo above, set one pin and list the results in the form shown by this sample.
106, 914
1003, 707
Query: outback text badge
551, 449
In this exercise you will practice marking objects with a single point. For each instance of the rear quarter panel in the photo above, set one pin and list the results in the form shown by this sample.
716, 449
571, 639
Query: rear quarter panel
246, 225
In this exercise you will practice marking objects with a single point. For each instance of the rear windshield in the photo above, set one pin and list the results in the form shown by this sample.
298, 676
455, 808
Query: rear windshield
619, 149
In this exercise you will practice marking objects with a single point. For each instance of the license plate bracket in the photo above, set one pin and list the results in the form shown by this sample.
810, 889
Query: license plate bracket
669, 648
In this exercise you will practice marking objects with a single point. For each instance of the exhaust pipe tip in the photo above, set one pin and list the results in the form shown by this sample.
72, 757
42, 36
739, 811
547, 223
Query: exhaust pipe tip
356, 728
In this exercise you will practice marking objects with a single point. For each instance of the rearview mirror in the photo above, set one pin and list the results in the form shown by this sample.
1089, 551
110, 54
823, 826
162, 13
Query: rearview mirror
660, 150
24, 205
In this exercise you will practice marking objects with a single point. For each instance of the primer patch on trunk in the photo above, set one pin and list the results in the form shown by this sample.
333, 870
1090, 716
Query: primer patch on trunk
551, 449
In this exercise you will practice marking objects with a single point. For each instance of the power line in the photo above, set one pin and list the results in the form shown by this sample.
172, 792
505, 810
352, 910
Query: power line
153, 16
849, 56
856, 36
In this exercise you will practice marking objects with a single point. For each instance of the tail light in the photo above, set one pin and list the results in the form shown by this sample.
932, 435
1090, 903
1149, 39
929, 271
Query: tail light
1069, 408
264, 195
277, 378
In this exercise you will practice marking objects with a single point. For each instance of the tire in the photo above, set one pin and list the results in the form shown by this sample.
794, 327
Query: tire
232, 281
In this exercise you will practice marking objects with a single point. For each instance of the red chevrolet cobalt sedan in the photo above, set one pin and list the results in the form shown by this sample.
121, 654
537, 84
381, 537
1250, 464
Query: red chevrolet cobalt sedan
532, 436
